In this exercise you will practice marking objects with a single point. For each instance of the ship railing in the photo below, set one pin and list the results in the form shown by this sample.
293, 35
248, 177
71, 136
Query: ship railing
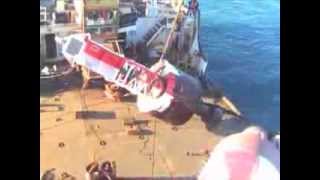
127, 24
152, 33
156, 34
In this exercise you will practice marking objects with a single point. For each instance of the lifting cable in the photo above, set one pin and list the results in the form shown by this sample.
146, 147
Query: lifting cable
88, 129
174, 23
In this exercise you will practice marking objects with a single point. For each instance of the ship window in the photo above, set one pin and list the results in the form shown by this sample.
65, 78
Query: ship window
74, 46
128, 19
100, 17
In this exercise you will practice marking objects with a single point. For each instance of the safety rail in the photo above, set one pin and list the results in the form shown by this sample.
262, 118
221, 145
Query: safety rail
150, 34
156, 34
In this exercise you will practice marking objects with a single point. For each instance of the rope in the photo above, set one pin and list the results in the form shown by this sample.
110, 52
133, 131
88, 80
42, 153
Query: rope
154, 145
164, 160
84, 107
171, 32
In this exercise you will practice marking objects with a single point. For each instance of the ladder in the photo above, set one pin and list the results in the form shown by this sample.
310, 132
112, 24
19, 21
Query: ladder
154, 30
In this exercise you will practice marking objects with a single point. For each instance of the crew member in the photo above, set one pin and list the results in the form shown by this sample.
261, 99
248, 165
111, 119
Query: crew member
106, 171
92, 171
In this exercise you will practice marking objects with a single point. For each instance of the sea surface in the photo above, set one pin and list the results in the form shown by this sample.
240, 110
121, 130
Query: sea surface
241, 40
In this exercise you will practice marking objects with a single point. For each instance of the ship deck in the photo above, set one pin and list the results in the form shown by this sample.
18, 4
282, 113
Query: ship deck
69, 143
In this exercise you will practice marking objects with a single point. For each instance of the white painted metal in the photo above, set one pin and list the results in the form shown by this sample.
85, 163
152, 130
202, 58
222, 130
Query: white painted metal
43, 14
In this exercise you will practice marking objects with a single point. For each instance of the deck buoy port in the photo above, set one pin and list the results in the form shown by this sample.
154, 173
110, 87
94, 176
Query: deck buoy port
174, 128
103, 143
141, 137
207, 152
61, 145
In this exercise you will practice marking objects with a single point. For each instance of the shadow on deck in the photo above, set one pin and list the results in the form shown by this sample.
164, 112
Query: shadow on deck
218, 121
93, 115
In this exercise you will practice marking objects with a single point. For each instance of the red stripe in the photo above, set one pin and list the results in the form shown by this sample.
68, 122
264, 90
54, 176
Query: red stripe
103, 55
150, 75
112, 59
94, 50
171, 83
170, 78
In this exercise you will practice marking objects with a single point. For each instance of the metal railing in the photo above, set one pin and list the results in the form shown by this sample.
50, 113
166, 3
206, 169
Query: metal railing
156, 35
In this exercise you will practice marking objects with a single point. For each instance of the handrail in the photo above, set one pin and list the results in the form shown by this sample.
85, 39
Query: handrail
155, 35
171, 32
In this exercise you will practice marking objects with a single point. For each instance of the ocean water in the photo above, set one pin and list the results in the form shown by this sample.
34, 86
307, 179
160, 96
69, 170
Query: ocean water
241, 40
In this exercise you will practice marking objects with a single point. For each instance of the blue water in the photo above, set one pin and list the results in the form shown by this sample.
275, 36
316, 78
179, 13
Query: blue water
241, 40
